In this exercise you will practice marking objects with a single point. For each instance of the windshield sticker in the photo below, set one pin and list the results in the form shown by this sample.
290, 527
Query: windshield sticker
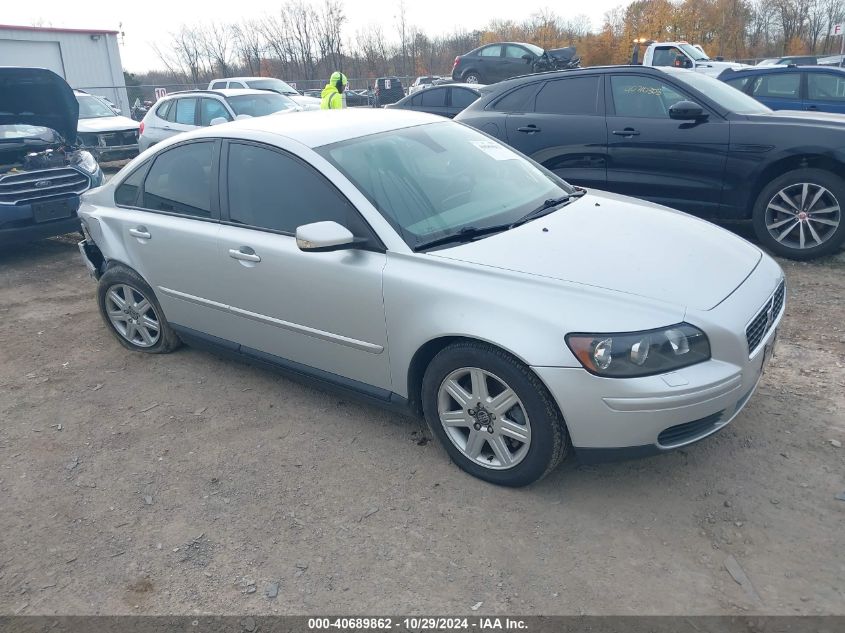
494, 150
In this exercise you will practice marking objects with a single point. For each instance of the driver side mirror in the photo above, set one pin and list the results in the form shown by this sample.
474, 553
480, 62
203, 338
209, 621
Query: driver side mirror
322, 237
528, 58
220, 120
686, 111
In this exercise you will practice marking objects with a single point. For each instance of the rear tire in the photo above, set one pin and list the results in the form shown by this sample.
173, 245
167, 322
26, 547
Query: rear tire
132, 313
493, 415
472, 77
799, 215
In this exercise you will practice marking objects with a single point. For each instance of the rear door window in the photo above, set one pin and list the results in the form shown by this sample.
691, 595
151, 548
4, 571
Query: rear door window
740, 83
520, 100
490, 51
186, 111
576, 95
780, 86
434, 98
180, 180
217, 85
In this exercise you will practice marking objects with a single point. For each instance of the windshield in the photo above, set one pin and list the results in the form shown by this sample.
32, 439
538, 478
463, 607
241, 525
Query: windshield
726, 96
534, 49
432, 180
92, 108
272, 84
261, 104
693, 52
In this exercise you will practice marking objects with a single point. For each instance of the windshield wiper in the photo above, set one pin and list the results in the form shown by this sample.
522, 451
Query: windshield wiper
469, 233
466, 234
548, 206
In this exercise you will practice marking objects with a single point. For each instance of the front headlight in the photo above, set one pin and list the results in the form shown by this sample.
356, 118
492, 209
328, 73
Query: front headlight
631, 354
85, 161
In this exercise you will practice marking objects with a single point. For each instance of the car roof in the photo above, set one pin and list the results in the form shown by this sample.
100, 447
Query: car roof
220, 92
242, 79
324, 127
782, 68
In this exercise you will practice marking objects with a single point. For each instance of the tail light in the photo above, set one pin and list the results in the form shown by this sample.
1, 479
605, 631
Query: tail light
457, 59
141, 129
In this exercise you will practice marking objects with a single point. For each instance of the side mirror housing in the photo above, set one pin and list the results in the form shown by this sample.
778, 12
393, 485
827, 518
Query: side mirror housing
321, 237
686, 111
218, 120
241, 117
527, 57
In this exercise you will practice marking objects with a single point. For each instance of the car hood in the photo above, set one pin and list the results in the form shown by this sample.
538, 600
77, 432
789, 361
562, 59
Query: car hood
37, 96
714, 68
624, 245
107, 124
800, 116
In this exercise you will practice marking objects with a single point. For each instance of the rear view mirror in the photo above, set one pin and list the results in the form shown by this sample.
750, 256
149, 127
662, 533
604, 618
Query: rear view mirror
321, 237
686, 111
218, 120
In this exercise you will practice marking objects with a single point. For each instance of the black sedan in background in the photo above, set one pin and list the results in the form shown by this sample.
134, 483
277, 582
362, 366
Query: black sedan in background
681, 139
445, 100
494, 62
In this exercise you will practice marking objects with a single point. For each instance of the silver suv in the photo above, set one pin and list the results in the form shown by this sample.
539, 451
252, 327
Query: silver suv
189, 110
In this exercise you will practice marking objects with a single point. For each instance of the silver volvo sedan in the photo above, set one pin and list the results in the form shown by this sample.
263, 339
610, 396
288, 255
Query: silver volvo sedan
420, 264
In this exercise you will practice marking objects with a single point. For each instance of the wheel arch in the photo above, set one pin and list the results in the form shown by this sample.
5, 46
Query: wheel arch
426, 353
785, 164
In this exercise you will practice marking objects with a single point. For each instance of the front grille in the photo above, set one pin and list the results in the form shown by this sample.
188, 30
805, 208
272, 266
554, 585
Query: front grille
41, 184
765, 318
688, 431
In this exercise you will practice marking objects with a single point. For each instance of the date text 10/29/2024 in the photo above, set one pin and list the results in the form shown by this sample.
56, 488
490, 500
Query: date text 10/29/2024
377, 624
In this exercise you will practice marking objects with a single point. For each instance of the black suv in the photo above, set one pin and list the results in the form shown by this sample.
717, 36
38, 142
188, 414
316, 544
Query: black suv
682, 139
42, 170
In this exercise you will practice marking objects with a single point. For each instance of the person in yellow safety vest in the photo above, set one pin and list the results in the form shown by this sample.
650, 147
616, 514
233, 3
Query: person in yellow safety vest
332, 98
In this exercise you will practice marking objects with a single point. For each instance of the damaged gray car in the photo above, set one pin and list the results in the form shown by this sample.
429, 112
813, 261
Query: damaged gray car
42, 169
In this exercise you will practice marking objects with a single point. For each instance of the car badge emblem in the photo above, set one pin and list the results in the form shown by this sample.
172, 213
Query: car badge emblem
40, 184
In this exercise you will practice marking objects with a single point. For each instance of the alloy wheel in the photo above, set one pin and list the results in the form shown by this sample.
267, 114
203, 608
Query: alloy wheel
803, 215
132, 315
484, 418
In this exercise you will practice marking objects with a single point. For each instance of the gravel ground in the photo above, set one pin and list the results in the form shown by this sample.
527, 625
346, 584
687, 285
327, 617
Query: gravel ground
186, 483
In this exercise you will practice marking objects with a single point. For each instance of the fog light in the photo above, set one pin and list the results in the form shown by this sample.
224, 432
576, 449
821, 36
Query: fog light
601, 353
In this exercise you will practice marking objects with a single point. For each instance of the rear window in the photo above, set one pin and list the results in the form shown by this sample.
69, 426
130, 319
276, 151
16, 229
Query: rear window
435, 97
161, 111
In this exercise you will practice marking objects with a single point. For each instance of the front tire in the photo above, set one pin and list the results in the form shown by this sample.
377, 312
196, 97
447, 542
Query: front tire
132, 312
799, 215
493, 415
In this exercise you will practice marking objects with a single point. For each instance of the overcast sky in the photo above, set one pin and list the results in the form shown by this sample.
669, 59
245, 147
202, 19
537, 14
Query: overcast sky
148, 21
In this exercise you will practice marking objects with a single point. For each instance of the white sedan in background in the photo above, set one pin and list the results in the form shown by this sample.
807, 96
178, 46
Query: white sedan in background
419, 264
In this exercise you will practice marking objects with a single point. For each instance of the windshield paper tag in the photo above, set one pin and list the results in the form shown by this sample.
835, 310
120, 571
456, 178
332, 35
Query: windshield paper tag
494, 150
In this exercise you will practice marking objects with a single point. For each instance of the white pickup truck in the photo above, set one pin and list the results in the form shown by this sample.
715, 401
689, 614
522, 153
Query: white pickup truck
684, 55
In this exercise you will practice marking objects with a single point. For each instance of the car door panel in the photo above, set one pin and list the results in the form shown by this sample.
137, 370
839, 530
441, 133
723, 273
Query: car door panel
568, 134
323, 310
171, 235
677, 163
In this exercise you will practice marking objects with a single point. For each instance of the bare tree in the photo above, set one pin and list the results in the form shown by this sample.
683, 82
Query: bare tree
329, 25
217, 45
249, 45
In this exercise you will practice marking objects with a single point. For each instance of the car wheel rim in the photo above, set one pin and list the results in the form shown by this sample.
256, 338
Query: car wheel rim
472, 79
132, 315
484, 418
803, 215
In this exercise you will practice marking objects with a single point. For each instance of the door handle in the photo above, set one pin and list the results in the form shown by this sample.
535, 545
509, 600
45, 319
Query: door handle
140, 232
244, 253
628, 131
528, 129
812, 107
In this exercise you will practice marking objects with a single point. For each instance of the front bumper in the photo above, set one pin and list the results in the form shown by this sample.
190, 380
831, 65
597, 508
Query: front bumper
18, 223
120, 152
611, 418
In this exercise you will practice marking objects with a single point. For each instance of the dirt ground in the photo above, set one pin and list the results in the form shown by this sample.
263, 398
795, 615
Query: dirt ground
186, 484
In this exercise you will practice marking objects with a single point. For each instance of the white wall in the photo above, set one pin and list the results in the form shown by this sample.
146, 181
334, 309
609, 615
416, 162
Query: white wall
88, 61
